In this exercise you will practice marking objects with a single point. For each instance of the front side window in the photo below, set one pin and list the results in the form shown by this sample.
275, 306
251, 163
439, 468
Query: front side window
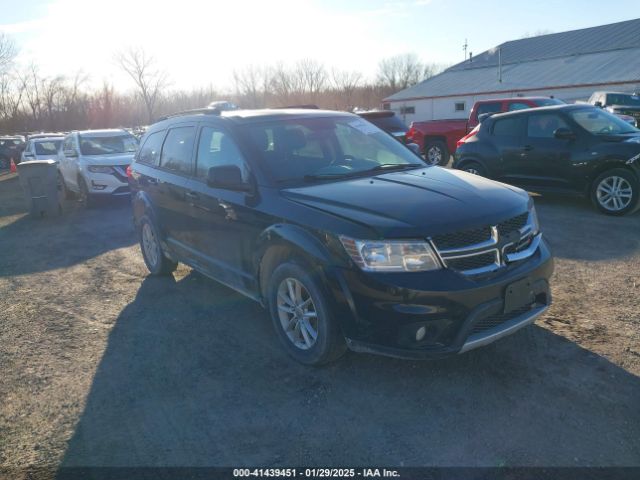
150, 152
217, 148
544, 124
68, 144
107, 145
177, 150
327, 148
47, 148
600, 122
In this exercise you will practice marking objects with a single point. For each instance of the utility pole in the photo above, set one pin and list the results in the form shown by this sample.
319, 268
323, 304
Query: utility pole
464, 48
499, 65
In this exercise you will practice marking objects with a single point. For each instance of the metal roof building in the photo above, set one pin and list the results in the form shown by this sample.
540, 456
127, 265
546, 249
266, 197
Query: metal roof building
568, 65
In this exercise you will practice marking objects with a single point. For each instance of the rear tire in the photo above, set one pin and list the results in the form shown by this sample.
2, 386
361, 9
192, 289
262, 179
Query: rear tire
475, 168
436, 153
156, 261
616, 192
301, 315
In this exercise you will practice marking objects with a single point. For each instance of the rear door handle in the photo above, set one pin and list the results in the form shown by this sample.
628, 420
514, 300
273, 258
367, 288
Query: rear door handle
527, 148
192, 195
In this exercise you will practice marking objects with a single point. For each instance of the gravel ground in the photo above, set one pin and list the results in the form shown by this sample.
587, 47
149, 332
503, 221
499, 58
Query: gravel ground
101, 365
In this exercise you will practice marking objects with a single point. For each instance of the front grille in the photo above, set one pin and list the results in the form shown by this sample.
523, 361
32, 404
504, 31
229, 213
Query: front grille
497, 319
476, 250
513, 224
462, 239
473, 262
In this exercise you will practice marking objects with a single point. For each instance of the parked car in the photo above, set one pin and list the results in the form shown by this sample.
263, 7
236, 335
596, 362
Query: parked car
571, 149
42, 148
10, 148
437, 138
93, 163
388, 121
622, 104
346, 236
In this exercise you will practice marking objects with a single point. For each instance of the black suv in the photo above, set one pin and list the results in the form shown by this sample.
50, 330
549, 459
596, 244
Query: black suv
568, 149
343, 233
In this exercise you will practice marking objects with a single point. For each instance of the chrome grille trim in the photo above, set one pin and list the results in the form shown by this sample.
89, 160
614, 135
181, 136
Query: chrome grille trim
527, 241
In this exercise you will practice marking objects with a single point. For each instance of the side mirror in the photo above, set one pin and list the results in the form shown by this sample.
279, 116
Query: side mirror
414, 147
483, 116
70, 153
564, 134
598, 104
228, 177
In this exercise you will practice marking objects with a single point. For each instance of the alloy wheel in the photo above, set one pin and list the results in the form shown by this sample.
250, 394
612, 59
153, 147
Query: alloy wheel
614, 193
150, 244
434, 156
297, 313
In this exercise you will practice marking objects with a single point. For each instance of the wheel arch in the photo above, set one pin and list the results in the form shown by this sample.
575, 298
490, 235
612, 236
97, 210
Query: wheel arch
609, 164
283, 241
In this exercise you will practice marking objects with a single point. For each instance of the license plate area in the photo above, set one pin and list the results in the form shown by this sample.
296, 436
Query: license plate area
518, 294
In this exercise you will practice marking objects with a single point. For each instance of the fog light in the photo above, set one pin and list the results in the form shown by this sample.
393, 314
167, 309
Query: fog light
420, 333
97, 186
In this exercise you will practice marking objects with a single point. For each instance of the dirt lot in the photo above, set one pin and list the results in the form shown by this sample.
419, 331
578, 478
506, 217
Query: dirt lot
101, 365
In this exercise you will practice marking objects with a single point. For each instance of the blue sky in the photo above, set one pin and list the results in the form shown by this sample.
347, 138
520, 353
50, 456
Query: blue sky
201, 42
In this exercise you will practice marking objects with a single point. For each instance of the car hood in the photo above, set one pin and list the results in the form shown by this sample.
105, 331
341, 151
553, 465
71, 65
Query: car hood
419, 202
118, 159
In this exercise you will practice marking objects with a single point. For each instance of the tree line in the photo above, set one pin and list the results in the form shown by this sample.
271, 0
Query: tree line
31, 101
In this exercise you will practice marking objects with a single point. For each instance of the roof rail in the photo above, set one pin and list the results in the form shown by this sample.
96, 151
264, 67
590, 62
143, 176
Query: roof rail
195, 111
307, 106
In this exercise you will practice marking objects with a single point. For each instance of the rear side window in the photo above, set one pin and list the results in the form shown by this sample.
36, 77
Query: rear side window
217, 148
150, 151
517, 106
543, 125
177, 150
492, 107
508, 127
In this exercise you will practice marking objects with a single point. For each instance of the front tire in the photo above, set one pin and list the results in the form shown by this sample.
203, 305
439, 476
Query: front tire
156, 261
436, 153
302, 317
84, 195
616, 192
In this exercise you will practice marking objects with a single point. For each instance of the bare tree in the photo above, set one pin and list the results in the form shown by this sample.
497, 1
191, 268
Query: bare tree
8, 52
310, 77
402, 71
150, 81
252, 85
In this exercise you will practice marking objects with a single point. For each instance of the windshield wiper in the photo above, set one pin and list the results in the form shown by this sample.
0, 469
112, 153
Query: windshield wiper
325, 176
394, 166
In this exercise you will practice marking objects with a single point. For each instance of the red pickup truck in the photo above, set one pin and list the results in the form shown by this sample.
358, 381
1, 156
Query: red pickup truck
437, 138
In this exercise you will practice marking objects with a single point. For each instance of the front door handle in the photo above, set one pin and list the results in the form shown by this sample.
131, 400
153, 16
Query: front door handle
192, 195
527, 148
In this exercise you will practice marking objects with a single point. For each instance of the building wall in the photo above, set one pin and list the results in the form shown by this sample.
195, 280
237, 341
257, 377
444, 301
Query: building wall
444, 108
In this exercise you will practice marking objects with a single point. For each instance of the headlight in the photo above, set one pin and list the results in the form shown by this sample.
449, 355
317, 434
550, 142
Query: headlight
391, 255
533, 217
100, 169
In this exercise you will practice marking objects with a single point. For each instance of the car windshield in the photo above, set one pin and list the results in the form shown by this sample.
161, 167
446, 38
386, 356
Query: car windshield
390, 123
623, 99
106, 145
328, 148
600, 122
547, 102
50, 147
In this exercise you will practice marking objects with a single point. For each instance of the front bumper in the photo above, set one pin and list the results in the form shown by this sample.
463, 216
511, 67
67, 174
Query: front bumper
381, 313
113, 184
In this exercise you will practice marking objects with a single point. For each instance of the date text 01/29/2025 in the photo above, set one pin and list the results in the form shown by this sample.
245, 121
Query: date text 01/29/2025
315, 472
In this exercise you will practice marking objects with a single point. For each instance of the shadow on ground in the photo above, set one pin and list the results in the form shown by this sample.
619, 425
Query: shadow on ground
31, 245
193, 376
576, 230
